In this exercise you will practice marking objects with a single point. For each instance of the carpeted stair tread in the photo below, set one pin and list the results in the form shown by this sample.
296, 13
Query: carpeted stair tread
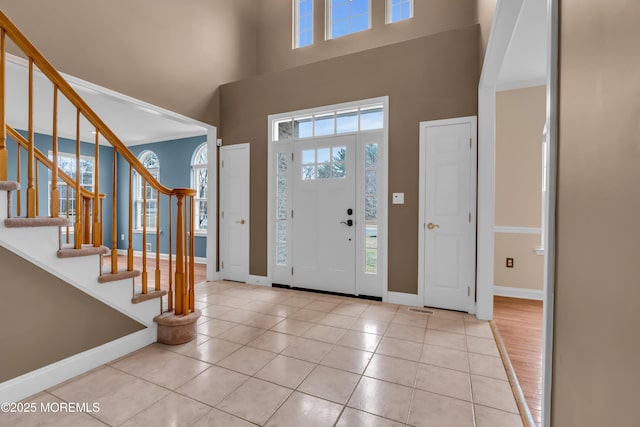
9, 185
85, 250
138, 298
120, 275
39, 221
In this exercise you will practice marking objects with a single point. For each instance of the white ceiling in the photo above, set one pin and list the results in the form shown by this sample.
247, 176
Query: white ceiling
133, 121
525, 62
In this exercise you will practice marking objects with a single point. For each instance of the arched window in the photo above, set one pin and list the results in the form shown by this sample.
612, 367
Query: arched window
150, 161
199, 181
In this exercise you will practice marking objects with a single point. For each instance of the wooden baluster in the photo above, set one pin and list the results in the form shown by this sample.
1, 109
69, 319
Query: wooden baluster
114, 216
87, 219
97, 226
100, 220
55, 195
185, 236
67, 190
37, 187
18, 179
130, 237
4, 154
170, 294
77, 237
144, 237
191, 259
157, 287
179, 258
31, 213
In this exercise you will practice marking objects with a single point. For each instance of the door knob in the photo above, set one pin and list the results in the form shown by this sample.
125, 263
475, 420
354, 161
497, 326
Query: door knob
240, 222
431, 226
348, 222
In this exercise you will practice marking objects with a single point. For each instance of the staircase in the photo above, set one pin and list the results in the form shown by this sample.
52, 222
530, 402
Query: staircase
69, 242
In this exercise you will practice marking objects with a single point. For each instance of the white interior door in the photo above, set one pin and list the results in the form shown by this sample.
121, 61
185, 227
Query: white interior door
324, 201
234, 212
449, 259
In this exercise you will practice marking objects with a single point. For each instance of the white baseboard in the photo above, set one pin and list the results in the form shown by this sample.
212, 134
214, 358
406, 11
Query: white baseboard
505, 291
164, 257
216, 275
258, 280
34, 382
402, 299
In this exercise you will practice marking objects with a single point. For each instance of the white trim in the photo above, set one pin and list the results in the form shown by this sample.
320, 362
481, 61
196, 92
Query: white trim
522, 84
517, 230
402, 299
212, 204
550, 217
473, 190
505, 291
505, 20
258, 280
388, 12
33, 382
163, 256
79, 84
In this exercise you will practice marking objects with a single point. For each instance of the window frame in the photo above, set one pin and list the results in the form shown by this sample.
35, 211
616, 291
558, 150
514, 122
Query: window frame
296, 25
61, 183
389, 11
329, 21
195, 177
139, 191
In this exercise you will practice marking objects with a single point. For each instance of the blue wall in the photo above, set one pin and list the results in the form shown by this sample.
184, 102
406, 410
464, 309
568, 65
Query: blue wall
44, 144
175, 172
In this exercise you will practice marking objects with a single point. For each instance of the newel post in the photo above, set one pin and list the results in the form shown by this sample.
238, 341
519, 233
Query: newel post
179, 326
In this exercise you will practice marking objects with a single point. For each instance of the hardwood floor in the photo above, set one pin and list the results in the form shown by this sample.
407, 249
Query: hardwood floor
200, 270
520, 324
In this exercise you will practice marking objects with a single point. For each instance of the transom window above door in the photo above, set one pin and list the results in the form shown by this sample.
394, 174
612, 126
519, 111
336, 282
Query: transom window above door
329, 123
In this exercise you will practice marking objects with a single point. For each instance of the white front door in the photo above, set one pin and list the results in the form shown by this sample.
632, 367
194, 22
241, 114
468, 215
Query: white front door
449, 236
234, 212
324, 202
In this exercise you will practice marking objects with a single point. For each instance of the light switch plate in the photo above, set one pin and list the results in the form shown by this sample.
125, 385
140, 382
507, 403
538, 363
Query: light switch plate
398, 199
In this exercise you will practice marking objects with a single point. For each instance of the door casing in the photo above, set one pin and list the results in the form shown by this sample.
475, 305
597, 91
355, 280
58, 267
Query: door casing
472, 121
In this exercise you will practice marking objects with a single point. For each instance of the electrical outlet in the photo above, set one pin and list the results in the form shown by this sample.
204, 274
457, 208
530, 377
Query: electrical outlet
148, 246
509, 262
122, 237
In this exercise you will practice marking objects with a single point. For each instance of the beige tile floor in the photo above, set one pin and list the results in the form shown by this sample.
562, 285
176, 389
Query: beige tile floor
275, 357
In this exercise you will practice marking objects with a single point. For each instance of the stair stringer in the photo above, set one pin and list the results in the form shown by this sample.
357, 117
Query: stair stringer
39, 245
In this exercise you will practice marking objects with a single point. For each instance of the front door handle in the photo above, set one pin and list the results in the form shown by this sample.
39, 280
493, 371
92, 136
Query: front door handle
431, 226
348, 222
240, 222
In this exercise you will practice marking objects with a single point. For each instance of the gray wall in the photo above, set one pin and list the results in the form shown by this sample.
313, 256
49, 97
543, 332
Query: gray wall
596, 338
175, 172
428, 78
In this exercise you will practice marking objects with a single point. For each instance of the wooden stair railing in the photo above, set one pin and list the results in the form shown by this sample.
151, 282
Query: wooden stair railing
88, 205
